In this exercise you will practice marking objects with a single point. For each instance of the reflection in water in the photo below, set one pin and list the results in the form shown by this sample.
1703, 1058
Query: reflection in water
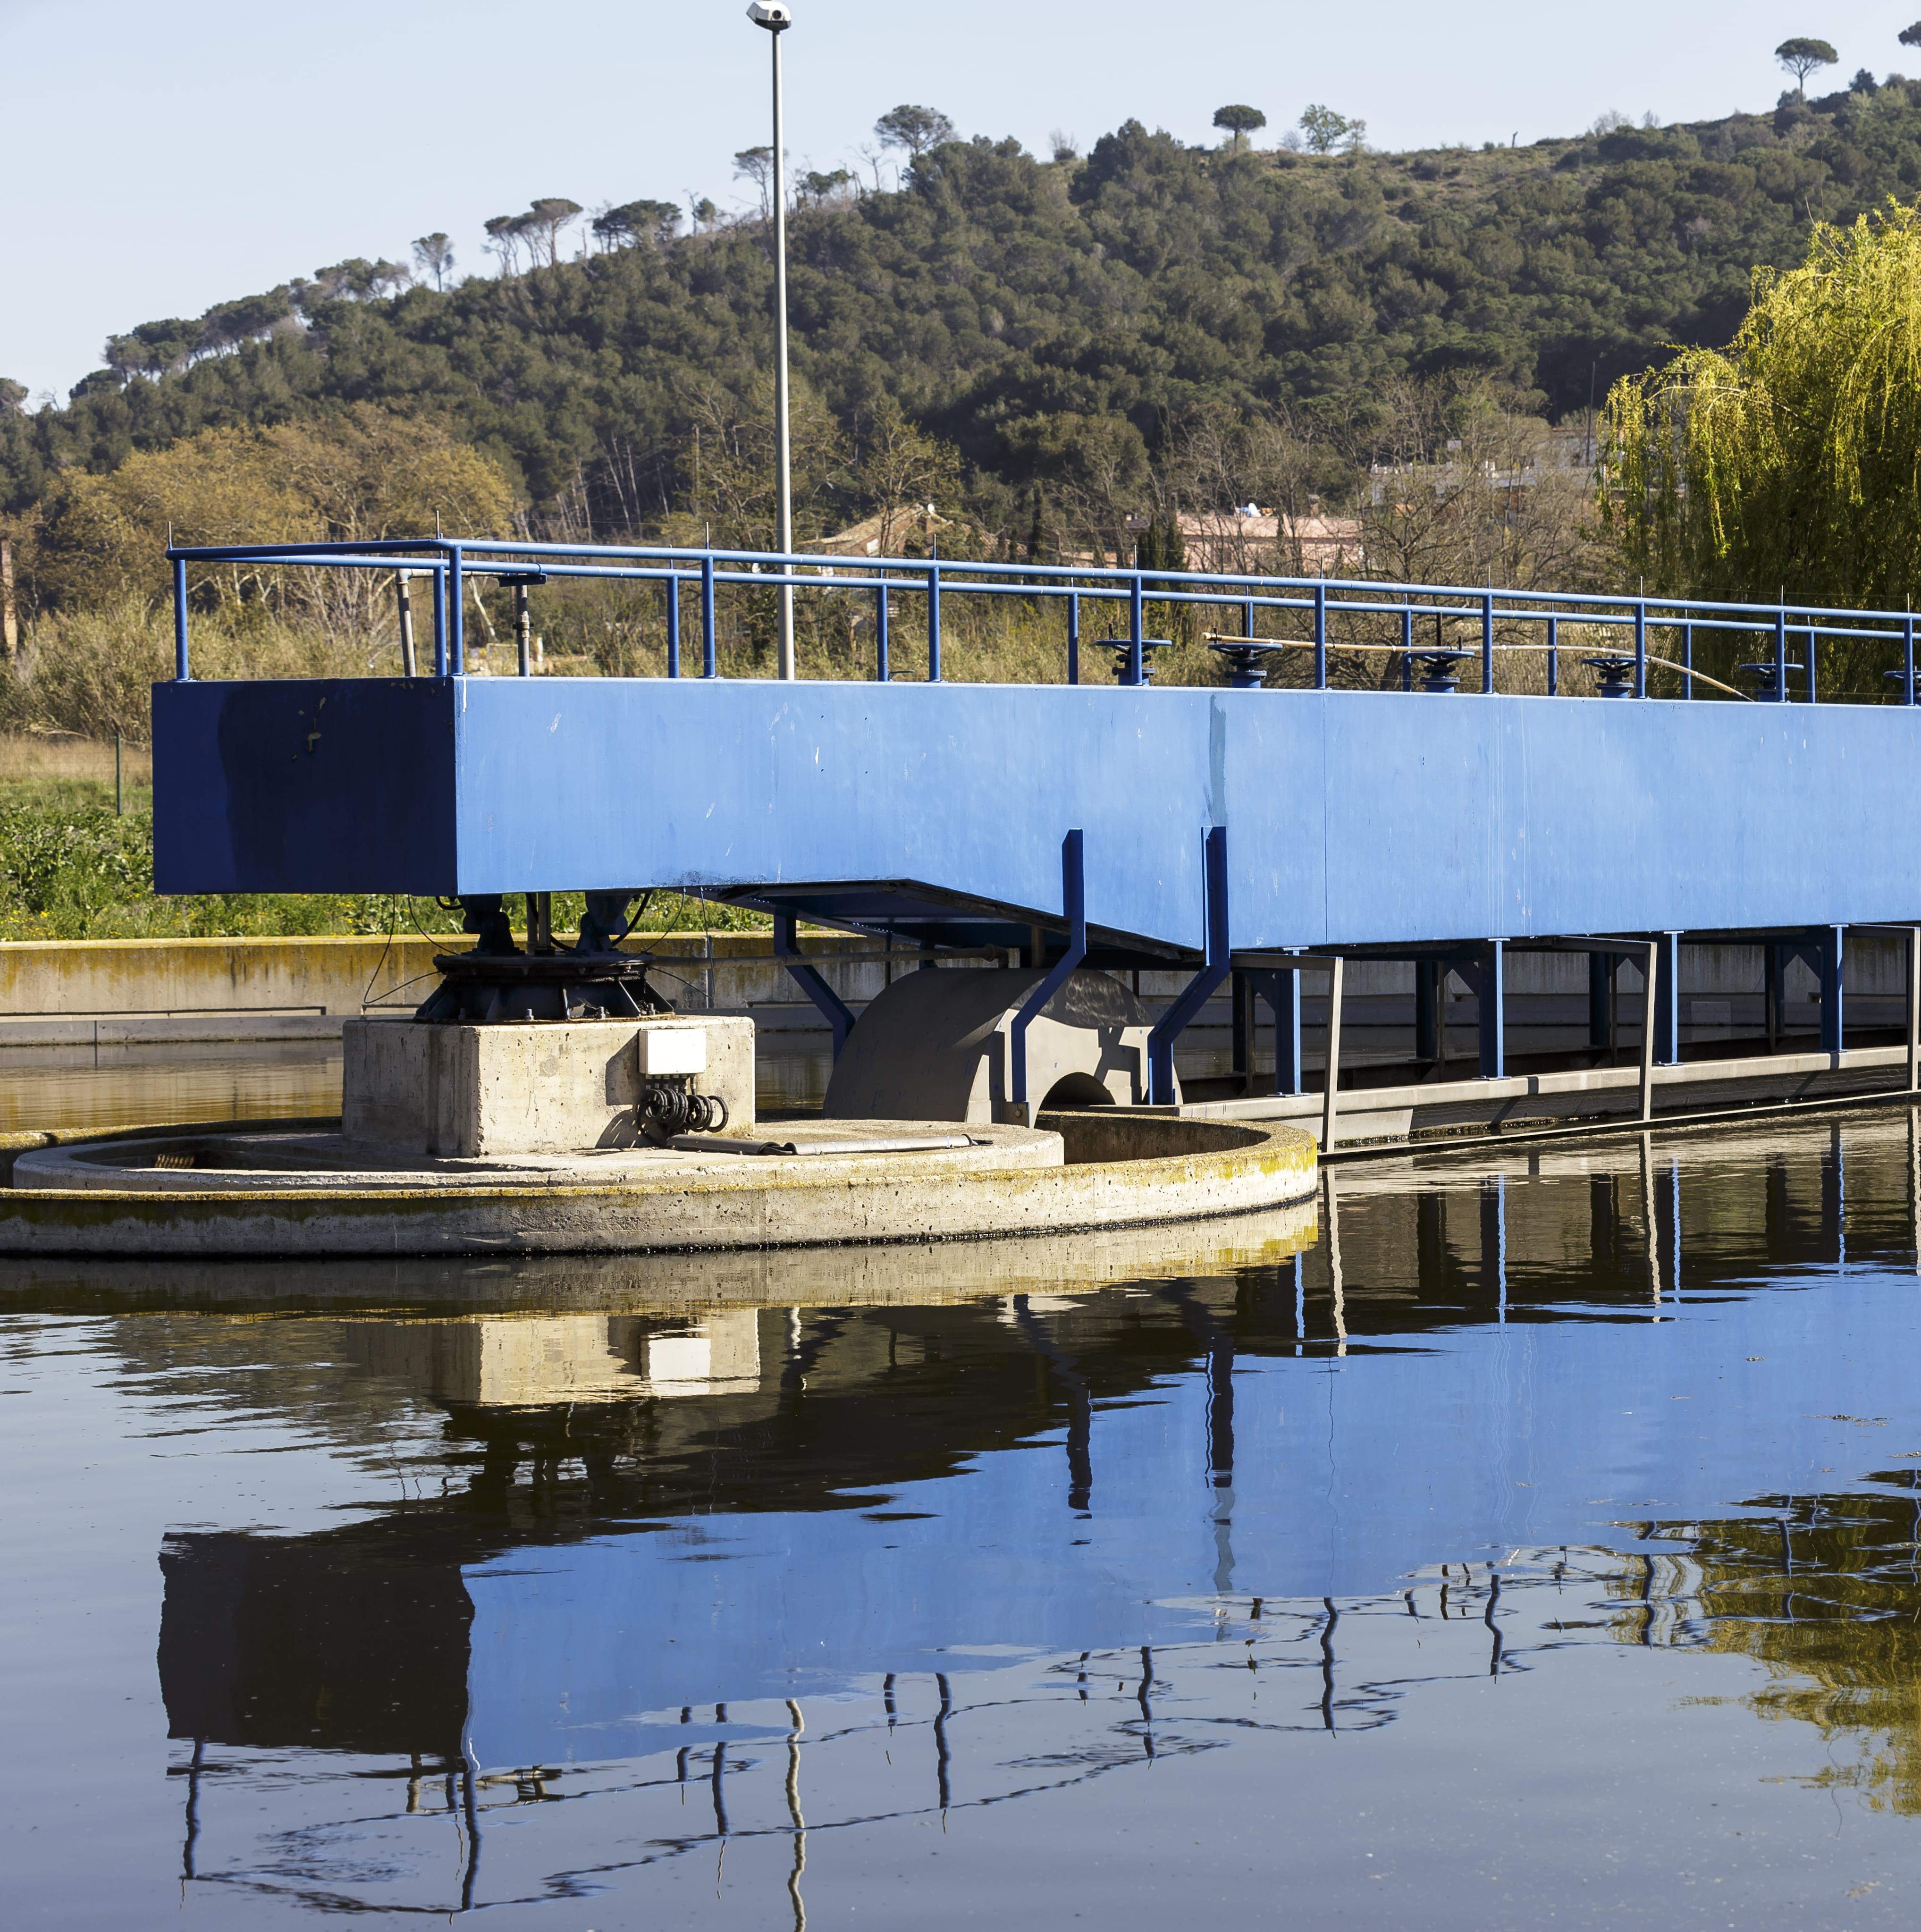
798, 1572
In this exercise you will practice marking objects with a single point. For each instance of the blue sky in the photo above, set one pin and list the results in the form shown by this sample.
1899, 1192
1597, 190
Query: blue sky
158, 162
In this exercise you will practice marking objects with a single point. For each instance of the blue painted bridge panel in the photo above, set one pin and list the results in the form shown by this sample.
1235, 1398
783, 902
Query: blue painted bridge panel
1353, 817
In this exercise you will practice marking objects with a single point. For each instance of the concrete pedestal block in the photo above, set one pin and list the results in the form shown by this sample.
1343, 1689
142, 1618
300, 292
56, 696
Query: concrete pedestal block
546, 1087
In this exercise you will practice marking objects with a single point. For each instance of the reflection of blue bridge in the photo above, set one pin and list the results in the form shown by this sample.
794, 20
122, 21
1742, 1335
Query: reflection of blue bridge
1228, 829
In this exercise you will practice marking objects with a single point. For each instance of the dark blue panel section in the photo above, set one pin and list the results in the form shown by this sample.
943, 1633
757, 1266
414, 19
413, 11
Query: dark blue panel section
318, 786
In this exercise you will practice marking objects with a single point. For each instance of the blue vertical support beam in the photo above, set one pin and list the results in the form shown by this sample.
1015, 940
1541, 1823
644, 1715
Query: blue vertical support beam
1487, 642
1320, 635
883, 669
1073, 637
933, 618
180, 663
809, 979
1687, 660
1908, 662
1833, 1024
1554, 657
1667, 1018
1215, 967
1407, 647
1601, 970
1640, 648
1136, 621
1428, 975
1073, 913
1493, 1004
1811, 663
457, 613
673, 625
1781, 655
1283, 998
710, 646
440, 649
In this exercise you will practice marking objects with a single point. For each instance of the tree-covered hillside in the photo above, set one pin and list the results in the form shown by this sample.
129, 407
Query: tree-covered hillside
1062, 322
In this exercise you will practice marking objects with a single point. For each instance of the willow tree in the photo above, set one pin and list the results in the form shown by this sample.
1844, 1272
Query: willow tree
1790, 461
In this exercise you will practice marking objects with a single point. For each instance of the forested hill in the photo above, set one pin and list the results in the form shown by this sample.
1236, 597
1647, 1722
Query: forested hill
1050, 319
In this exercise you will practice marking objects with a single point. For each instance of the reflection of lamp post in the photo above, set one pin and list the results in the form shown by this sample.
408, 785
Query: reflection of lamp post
776, 19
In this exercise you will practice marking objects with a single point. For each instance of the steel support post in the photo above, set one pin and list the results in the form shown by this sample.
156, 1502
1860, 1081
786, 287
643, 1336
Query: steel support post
1430, 977
710, 662
673, 627
1283, 998
1331, 1084
1908, 662
1781, 656
1487, 643
457, 613
1651, 980
933, 621
1554, 657
1074, 912
1667, 1005
1073, 637
1914, 1009
403, 611
180, 666
1136, 615
1640, 650
1687, 659
440, 649
883, 669
1811, 698
1214, 967
1407, 648
1320, 636
1242, 996
809, 980
1493, 1005
1774, 975
1833, 1031
1602, 967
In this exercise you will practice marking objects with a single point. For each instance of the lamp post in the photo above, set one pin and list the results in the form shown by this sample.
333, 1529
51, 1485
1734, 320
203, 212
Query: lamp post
776, 19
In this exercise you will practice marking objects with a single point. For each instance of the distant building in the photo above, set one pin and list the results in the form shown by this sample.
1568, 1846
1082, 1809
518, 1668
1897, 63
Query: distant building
1253, 542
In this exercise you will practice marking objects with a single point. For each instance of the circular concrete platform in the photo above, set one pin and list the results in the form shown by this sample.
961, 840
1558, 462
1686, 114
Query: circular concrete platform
263, 1191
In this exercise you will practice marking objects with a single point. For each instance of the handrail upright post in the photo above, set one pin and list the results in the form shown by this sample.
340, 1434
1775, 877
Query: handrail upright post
1907, 676
1554, 657
1320, 635
1641, 647
883, 667
710, 654
1407, 647
457, 626
933, 620
1781, 655
440, 619
181, 671
1487, 644
1811, 663
1136, 674
673, 624
1688, 657
1073, 637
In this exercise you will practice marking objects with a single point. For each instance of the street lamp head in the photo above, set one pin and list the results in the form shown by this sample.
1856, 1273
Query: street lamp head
770, 14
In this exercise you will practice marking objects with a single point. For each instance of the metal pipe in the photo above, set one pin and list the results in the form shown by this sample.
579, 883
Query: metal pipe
1811, 665
883, 669
1554, 657
1907, 661
1640, 650
1781, 655
439, 622
1320, 635
710, 662
1407, 648
673, 627
180, 668
782, 427
1687, 659
523, 630
1073, 637
1488, 643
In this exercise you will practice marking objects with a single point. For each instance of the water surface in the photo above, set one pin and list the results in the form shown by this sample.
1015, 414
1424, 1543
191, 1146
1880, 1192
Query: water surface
1509, 1543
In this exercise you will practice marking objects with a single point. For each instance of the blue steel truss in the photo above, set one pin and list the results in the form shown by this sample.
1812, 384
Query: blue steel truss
1230, 829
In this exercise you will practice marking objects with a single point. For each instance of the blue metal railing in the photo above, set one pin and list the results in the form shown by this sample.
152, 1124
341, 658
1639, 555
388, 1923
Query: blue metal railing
1621, 660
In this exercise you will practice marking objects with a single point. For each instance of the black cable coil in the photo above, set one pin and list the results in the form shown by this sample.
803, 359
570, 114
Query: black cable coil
671, 1106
